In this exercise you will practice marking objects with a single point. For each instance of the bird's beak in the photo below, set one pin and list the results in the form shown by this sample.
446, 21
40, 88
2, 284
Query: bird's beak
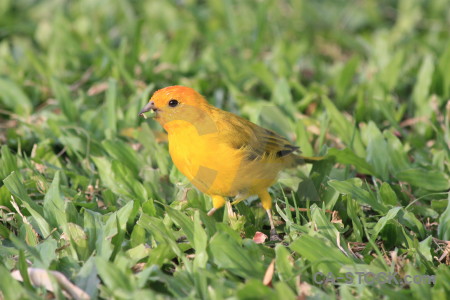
149, 106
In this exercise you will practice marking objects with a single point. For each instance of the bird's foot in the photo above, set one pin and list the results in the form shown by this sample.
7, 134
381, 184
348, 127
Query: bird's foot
211, 211
230, 211
274, 237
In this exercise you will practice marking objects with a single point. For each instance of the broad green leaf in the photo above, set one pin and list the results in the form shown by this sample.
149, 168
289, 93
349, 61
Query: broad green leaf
54, 207
15, 185
47, 250
229, 255
28, 234
425, 248
123, 152
281, 94
444, 223
200, 243
137, 236
444, 65
353, 211
284, 291
261, 71
4, 231
66, 102
376, 151
183, 221
303, 139
115, 226
307, 191
397, 154
78, 240
424, 289
5, 197
23, 268
200, 238
408, 219
21, 244
114, 277
284, 263
137, 253
387, 195
117, 176
131, 188
324, 225
389, 75
348, 157
352, 187
154, 152
98, 238
323, 256
422, 86
123, 215
255, 289
8, 162
111, 106
344, 128
13, 97
392, 213
274, 118
104, 168
87, 278
10, 288
435, 180
344, 79
442, 278
161, 234
44, 227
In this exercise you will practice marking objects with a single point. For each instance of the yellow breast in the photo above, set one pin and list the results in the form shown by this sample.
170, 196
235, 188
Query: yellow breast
208, 163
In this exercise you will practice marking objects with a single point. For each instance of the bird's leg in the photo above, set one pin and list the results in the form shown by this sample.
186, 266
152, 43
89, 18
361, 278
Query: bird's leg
273, 232
266, 201
218, 202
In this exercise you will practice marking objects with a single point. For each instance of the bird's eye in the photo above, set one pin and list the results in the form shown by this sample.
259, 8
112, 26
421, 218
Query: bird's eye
173, 103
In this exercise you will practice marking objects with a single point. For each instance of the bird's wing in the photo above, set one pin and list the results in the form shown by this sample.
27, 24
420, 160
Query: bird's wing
255, 141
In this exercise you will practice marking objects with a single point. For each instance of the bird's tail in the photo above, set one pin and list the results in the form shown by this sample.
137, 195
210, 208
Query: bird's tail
300, 159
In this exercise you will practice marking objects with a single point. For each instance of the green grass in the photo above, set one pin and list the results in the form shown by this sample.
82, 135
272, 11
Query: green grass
88, 189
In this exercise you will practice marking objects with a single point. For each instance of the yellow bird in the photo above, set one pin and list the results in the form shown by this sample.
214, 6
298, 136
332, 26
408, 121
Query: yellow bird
222, 154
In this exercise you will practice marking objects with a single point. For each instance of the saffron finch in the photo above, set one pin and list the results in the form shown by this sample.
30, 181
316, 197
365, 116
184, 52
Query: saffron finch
222, 154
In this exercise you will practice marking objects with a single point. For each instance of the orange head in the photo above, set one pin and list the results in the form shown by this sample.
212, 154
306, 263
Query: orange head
176, 103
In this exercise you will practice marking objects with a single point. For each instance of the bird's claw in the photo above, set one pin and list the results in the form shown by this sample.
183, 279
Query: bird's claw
274, 237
